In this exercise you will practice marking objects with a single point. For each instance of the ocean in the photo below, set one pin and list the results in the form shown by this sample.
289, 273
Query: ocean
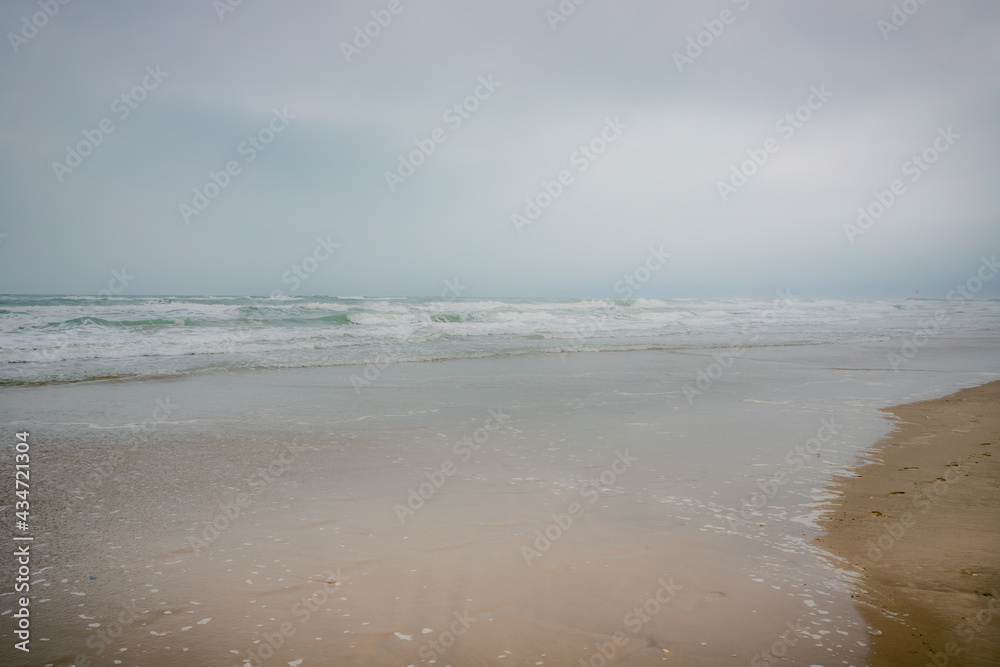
74, 338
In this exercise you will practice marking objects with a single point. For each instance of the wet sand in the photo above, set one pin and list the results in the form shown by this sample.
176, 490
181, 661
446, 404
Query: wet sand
921, 521
206, 540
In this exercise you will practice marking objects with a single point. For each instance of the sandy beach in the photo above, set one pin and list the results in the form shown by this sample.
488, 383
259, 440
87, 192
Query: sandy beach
921, 522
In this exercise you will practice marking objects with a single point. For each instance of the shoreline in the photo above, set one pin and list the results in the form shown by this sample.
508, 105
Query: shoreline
920, 522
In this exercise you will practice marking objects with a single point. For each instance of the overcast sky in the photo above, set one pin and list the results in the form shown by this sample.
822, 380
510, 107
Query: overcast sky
675, 120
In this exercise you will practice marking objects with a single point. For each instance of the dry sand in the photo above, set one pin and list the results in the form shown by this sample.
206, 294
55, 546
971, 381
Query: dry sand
921, 521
